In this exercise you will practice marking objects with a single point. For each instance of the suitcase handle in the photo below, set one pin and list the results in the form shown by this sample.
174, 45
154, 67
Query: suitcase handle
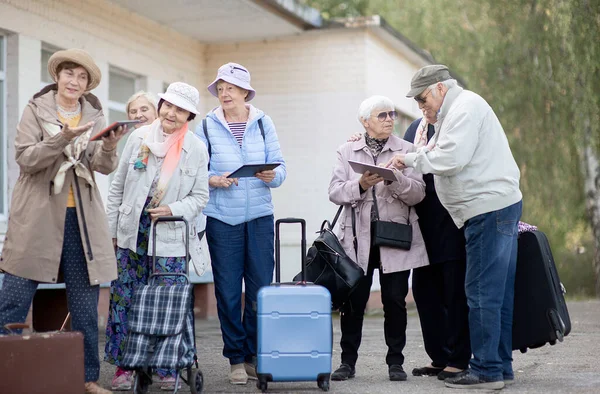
154, 274
278, 247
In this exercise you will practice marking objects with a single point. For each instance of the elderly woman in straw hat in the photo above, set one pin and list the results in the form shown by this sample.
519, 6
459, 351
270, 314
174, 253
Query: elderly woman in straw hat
162, 172
57, 224
239, 225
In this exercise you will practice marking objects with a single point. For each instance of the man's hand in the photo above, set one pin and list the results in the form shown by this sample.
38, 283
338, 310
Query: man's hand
369, 179
157, 212
110, 142
354, 137
397, 162
265, 176
72, 133
222, 180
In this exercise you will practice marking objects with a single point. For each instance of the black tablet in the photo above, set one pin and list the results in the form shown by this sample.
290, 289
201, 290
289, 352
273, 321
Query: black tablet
248, 170
113, 126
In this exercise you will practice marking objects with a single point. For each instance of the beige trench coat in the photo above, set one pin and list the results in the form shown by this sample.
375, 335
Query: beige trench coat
393, 201
34, 239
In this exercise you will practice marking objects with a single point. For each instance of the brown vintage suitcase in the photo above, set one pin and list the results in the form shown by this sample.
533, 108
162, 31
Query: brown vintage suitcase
50, 362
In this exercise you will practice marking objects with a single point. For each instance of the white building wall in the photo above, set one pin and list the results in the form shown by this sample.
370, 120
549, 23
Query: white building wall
112, 35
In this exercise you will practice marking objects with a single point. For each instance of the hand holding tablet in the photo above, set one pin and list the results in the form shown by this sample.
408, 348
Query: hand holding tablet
360, 168
250, 170
112, 127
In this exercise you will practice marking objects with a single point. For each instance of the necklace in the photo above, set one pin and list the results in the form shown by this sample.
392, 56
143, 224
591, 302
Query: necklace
69, 114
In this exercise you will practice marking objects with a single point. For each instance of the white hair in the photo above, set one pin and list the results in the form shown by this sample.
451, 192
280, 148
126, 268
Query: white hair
372, 103
449, 83
148, 96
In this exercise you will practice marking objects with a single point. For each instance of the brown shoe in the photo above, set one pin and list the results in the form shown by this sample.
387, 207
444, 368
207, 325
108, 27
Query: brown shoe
93, 388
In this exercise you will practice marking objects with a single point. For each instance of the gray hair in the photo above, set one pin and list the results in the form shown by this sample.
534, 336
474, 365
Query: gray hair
449, 83
373, 102
148, 96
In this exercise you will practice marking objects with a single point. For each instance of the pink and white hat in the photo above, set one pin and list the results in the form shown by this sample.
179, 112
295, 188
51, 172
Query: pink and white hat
235, 74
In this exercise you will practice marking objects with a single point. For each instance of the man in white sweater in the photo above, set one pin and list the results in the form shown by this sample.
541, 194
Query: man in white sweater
477, 180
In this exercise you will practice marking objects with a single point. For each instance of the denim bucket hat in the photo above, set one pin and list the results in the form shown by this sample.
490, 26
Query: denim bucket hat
235, 74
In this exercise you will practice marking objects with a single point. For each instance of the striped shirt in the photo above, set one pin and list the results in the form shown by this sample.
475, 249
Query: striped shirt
238, 129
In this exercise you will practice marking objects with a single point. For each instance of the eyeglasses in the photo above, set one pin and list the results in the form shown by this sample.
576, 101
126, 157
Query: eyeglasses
382, 116
422, 99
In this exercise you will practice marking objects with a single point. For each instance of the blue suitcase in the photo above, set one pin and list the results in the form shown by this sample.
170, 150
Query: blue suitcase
294, 327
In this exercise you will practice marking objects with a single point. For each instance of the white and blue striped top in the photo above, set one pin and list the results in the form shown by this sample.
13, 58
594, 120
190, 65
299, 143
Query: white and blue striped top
238, 129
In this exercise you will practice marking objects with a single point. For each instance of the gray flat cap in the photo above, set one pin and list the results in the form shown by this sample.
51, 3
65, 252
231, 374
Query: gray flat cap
426, 76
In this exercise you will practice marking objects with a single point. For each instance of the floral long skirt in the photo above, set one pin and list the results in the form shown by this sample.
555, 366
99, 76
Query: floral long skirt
134, 270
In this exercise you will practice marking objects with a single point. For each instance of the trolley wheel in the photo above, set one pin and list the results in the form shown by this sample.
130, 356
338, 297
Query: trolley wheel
196, 381
262, 385
323, 384
141, 382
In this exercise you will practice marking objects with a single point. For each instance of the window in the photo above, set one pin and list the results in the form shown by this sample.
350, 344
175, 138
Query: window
121, 85
3, 137
45, 78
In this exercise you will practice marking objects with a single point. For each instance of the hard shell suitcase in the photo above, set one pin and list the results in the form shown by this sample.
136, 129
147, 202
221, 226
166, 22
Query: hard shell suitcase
49, 362
294, 327
540, 312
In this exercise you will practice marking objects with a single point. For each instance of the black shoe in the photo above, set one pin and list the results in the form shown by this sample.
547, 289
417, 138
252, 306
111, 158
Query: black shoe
447, 374
344, 372
397, 373
468, 380
427, 371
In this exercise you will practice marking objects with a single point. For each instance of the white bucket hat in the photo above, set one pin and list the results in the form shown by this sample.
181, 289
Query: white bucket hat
235, 74
182, 95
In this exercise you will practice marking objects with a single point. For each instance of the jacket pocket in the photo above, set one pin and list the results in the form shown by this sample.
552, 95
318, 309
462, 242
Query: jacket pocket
188, 179
124, 221
171, 232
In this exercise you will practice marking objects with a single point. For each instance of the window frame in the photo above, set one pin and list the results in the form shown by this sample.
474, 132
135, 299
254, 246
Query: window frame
116, 105
46, 48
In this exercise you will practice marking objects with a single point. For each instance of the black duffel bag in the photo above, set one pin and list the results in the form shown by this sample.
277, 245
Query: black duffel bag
328, 265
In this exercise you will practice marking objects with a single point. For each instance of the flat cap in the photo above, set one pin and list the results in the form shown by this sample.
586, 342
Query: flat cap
427, 76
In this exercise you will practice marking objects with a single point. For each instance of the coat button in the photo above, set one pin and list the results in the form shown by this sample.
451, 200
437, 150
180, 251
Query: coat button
96, 281
53, 279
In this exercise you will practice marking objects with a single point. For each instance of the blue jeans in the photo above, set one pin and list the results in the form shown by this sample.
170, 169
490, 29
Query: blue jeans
489, 284
244, 251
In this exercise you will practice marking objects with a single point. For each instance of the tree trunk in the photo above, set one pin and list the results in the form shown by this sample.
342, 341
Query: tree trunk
592, 194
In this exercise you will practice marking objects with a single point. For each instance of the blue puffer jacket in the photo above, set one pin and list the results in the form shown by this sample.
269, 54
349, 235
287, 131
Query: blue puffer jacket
251, 198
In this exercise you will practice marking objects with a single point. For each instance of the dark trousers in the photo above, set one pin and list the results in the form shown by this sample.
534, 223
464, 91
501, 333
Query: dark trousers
439, 292
17, 294
241, 252
394, 288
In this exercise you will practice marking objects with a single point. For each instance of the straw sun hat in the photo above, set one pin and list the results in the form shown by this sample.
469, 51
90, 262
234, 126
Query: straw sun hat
80, 57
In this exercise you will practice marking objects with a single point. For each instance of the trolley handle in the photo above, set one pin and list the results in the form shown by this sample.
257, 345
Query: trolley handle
302, 222
153, 273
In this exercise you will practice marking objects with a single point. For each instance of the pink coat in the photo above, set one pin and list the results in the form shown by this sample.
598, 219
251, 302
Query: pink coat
393, 201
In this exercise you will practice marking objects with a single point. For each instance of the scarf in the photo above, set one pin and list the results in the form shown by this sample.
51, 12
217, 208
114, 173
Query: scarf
73, 153
375, 145
168, 147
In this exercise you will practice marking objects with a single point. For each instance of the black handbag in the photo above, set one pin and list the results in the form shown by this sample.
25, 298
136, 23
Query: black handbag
391, 234
328, 265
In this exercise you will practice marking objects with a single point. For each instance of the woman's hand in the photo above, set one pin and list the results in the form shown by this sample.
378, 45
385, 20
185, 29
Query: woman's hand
110, 142
397, 162
222, 180
265, 176
369, 179
74, 132
355, 137
157, 212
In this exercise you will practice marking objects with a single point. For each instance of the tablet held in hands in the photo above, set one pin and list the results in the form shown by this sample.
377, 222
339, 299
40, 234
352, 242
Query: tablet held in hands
114, 126
248, 170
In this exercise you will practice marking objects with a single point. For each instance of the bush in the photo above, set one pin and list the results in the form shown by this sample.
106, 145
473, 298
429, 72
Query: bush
576, 270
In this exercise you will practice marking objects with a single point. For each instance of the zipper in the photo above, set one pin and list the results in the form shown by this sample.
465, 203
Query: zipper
85, 230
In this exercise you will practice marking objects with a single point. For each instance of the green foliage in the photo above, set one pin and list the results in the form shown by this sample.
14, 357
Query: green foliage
537, 62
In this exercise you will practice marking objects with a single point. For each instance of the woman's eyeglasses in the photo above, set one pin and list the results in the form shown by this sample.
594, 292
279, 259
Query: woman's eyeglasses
382, 116
422, 99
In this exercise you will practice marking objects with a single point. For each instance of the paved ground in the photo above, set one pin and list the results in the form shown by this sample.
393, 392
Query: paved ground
569, 367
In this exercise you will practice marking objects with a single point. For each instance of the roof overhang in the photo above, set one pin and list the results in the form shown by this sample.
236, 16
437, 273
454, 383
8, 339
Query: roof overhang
222, 21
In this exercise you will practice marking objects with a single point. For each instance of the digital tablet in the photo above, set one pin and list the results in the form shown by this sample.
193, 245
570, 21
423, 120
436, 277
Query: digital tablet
248, 170
114, 126
360, 168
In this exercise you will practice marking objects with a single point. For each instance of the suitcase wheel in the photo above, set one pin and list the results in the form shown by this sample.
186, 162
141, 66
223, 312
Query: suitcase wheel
262, 385
195, 381
141, 382
323, 382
